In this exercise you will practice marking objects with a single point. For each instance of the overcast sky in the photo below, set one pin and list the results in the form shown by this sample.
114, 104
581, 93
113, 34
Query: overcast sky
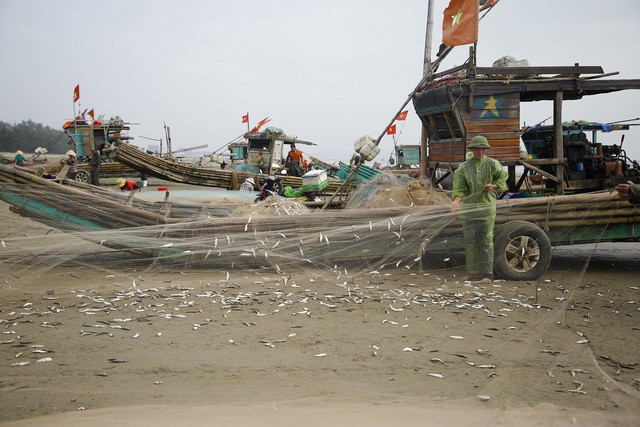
326, 71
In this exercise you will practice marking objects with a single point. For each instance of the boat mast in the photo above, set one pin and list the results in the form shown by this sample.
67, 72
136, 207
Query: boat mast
426, 69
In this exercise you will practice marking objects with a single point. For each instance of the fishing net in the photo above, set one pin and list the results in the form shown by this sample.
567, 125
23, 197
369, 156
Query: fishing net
366, 301
387, 190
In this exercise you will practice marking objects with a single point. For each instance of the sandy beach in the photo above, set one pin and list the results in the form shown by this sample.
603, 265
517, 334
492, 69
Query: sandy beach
134, 343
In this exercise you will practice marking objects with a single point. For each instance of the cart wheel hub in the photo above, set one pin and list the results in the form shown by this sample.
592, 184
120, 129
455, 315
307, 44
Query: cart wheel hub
522, 253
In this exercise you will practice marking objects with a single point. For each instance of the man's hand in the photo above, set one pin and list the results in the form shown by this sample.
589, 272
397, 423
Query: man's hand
455, 205
490, 187
623, 190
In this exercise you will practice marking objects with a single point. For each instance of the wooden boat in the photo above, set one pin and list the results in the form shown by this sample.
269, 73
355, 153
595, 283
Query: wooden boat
141, 161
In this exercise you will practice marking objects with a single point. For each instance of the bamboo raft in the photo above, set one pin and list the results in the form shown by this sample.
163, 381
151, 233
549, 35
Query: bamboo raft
177, 172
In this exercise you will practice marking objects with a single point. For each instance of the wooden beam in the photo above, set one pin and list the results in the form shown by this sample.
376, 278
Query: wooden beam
520, 71
451, 129
558, 145
538, 170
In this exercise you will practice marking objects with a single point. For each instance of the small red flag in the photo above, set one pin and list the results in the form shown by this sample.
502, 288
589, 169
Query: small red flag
90, 113
76, 93
260, 123
403, 115
245, 118
460, 24
391, 130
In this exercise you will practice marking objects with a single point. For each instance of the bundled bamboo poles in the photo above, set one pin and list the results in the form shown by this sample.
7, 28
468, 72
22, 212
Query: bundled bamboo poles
176, 172
73, 201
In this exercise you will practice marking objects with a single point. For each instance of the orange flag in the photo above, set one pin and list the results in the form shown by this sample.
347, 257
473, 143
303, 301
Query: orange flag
245, 118
391, 130
403, 115
76, 93
460, 24
260, 123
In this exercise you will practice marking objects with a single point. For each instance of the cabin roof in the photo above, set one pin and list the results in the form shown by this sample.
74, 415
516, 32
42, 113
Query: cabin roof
532, 83
541, 90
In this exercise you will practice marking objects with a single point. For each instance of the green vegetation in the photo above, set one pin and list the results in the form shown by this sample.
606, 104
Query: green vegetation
27, 136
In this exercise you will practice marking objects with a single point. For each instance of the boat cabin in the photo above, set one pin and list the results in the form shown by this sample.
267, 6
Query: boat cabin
268, 150
466, 101
407, 156
90, 135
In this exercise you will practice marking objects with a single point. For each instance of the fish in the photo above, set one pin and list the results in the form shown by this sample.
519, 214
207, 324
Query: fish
436, 375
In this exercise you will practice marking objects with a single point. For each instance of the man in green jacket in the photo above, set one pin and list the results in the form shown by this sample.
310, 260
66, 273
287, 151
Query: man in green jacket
476, 185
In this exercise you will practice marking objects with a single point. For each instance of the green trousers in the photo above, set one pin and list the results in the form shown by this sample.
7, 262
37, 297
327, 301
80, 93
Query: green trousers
478, 246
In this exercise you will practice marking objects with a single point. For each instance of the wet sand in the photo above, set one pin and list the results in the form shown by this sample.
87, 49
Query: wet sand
316, 347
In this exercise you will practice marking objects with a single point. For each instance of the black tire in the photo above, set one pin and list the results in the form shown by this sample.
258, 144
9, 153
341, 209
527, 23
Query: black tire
82, 176
522, 251
279, 188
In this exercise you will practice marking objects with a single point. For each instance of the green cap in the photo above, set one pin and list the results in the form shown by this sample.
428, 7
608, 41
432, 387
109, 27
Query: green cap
479, 142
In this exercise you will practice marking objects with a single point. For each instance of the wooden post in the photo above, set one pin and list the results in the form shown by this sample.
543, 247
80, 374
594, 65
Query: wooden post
511, 179
558, 146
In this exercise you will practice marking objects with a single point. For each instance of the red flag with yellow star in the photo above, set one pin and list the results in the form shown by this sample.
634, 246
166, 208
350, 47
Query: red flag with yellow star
391, 130
460, 24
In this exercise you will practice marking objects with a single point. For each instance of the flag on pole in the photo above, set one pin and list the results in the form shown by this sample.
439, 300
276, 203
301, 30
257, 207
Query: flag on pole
260, 124
245, 118
76, 93
91, 114
392, 130
403, 115
460, 24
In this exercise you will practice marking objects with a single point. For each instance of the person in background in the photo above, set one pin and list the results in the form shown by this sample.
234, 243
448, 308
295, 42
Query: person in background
144, 178
476, 184
95, 167
127, 185
293, 161
72, 161
19, 159
356, 159
247, 185
630, 192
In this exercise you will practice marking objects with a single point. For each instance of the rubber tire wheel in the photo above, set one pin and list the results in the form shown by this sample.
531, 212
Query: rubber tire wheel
279, 188
82, 176
522, 251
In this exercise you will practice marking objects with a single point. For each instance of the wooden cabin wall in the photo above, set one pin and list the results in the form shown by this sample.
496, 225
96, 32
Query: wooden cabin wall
447, 144
496, 117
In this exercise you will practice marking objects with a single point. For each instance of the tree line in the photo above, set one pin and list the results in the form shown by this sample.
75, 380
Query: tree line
28, 135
